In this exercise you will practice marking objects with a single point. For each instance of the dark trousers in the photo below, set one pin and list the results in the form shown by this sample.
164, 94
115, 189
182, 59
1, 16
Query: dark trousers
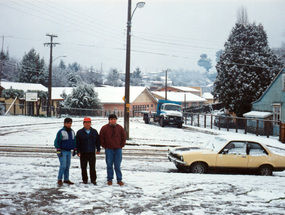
85, 158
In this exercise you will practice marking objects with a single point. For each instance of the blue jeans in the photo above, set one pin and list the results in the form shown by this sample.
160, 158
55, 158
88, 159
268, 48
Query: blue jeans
64, 160
113, 157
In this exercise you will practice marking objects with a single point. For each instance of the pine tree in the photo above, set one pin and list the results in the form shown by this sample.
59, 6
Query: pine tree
113, 78
136, 78
246, 68
83, 96
33, 69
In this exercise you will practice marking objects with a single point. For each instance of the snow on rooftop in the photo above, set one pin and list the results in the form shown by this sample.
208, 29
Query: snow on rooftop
185, 89
180, 96
208, 96
105, 94
257, 114
23, 86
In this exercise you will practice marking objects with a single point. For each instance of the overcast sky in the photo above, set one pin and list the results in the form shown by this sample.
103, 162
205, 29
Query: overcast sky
165, 33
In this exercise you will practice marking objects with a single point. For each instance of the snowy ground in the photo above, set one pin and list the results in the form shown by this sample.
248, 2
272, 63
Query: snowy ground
153, 185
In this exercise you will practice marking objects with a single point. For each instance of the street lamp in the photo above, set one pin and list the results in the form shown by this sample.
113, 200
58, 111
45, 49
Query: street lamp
50, 84
128, 61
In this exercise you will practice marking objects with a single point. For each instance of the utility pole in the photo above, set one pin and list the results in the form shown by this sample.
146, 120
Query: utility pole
51, 44
166, 84
127, 78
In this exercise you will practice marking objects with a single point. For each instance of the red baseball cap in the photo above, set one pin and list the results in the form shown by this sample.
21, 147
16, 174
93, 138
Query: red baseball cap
87, 119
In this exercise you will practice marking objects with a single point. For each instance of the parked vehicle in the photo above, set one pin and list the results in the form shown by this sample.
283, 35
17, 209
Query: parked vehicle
235, 155
167, 113
224, 120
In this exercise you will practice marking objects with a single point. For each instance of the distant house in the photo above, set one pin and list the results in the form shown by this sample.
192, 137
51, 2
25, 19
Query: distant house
209, 97
20, 105
271, 103
194, 91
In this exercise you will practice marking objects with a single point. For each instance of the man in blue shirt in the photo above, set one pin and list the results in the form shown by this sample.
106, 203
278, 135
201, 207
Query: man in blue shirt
88, 141
64, 143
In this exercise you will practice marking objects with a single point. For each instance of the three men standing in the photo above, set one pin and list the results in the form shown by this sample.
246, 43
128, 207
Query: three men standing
113, 139
88, 142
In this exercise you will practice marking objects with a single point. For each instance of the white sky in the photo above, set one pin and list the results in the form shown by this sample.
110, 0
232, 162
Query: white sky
165, 33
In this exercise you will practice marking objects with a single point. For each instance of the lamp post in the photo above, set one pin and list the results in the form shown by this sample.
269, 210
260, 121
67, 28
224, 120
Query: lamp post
128, 61
50, 84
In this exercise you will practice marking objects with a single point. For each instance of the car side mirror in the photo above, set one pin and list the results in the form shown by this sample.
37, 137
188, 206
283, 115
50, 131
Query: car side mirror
225, 151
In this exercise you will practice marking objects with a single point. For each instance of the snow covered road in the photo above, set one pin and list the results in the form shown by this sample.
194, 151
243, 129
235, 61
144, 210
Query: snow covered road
153, 185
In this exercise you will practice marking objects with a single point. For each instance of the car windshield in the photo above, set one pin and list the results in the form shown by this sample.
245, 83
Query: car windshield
172, 107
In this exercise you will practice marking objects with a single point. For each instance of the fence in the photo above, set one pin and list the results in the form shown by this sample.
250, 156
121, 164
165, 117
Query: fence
32, 109
237, 124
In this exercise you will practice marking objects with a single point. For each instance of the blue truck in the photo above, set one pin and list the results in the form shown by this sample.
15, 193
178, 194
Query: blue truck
167, 113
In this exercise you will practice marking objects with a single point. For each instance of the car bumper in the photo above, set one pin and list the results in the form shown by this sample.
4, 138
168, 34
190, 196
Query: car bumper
176, 161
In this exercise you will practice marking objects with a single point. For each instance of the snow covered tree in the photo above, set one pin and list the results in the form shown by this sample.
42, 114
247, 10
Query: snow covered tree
33, 69
90, 76
62, 64
8, 67
205, 62
246, 68
136, 78
12, 93
75, 67
83, 96
113, 78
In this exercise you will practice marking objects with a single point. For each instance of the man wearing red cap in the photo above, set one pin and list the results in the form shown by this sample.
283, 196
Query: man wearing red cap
88, 141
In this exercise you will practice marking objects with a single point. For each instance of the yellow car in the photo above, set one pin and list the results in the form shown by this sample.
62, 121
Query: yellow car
235, 155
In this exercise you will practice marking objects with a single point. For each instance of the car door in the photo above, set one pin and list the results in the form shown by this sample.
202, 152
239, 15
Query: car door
233, 155
257, 155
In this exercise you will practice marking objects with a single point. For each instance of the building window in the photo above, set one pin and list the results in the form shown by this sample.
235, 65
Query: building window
276, 113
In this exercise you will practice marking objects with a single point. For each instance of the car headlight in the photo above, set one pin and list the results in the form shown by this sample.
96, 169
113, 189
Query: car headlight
181, 158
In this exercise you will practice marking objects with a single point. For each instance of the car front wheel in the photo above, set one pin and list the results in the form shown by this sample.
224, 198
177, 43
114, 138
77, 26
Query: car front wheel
265, 170
199, 168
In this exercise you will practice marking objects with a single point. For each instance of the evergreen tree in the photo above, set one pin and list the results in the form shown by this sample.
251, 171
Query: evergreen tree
33, 69
75, 67
245, 69
62, 65
90, 76
83, 96
8, 67
12, 93
113, 78
136, 78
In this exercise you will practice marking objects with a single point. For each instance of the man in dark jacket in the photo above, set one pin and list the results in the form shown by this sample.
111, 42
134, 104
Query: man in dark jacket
88, 141
113, 139
64, 143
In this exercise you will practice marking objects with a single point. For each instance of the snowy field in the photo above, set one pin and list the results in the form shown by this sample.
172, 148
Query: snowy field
152, 184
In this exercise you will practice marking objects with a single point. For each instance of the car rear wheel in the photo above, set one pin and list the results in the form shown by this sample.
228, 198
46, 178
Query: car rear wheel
199, 168
265, 170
